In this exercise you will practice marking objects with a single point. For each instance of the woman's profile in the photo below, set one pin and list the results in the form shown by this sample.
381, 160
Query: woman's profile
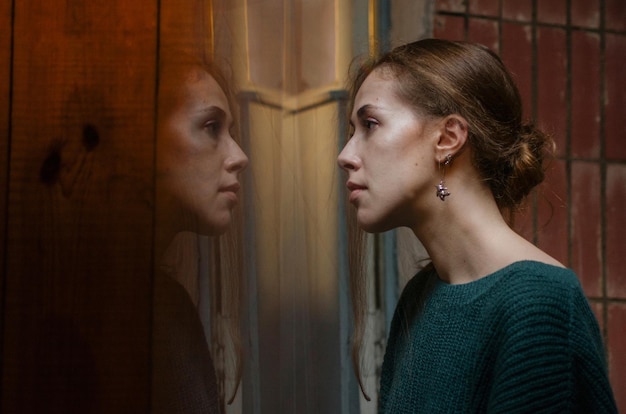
492, 323
195, 287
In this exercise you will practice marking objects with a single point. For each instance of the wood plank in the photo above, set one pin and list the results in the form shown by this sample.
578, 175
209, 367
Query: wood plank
186, 27
5, 72
79, 244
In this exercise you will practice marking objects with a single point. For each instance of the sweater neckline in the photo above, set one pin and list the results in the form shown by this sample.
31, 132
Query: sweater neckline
470, 291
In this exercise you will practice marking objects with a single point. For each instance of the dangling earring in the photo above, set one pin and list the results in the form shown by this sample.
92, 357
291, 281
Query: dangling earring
442, 190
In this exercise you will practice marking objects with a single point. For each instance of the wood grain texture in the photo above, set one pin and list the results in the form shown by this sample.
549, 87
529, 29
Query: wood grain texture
186, 26
80, 210
5, 87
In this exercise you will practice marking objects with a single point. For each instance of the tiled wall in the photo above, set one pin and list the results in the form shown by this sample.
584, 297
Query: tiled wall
569, 59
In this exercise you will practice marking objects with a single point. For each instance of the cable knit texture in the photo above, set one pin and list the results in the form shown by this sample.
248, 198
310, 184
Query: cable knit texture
521, 340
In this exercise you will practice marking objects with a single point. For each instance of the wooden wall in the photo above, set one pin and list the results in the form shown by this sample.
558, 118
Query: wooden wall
77, 103
5, 83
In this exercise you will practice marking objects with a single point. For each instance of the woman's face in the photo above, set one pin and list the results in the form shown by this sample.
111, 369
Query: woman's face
198, 160
390, 157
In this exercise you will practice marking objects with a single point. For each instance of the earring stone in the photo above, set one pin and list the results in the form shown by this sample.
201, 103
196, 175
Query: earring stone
442, 191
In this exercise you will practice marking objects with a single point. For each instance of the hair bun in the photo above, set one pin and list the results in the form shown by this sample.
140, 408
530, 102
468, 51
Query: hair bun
527, 158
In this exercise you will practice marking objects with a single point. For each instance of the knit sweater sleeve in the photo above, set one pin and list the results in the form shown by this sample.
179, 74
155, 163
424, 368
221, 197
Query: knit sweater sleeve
551, 358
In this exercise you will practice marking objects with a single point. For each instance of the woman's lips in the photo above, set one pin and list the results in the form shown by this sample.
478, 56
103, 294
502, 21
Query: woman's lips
355, 190
234, 187
230, 191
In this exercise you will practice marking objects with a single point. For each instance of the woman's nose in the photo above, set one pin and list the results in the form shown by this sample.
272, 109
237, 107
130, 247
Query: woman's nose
238, 161
347, 160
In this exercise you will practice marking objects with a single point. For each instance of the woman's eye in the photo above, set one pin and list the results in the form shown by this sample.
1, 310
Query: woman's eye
212, 127
369, 124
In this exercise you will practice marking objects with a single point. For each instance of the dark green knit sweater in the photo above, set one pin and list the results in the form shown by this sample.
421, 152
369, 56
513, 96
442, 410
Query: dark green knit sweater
521, 340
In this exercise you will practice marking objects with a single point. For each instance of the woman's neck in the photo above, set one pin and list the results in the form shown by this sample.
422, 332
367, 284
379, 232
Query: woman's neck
467, 238
180, 261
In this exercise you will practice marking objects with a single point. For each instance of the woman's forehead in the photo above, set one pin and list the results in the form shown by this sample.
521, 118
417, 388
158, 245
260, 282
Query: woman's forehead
202, 88
376, 88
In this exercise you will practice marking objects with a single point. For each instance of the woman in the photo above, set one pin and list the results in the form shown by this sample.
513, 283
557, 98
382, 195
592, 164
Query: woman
492, 324
195, 293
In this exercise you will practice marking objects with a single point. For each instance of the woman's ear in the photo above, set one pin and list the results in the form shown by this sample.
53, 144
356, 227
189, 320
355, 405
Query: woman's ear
453, 135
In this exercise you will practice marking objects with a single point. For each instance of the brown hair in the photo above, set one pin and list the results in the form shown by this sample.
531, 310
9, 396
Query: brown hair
439, 78
225, 287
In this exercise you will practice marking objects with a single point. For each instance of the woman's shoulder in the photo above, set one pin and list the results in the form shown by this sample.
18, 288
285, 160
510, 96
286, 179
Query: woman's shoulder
520, 278
521, 287
540, 290
540, 271
531, 275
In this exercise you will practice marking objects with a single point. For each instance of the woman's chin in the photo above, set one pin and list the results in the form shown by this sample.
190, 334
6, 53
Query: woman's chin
214, 226
369, 225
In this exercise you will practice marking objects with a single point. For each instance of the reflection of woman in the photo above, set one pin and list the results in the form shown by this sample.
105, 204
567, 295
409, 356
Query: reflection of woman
492, 324
198, 164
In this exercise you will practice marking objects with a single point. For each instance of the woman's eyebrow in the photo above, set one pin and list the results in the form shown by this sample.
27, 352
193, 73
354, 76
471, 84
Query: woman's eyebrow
360, 113
212, 110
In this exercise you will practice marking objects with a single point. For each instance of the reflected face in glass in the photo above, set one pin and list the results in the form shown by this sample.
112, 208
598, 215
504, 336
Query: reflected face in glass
198, 159
389, 157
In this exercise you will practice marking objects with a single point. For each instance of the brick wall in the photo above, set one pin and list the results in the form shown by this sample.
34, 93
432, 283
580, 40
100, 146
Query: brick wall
568, 58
